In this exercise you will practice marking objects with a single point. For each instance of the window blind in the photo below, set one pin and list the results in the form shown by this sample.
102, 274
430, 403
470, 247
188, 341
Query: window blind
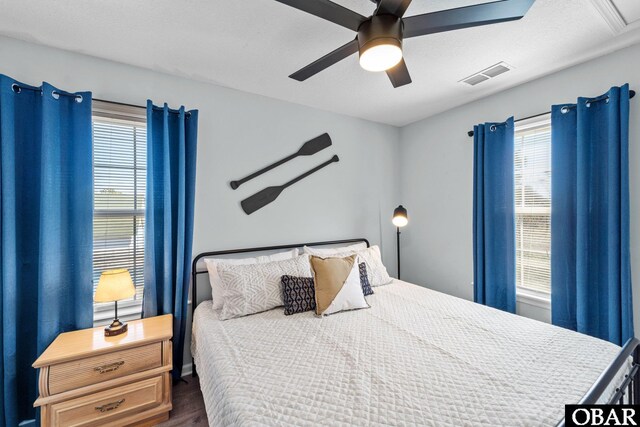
533, 206
119, 156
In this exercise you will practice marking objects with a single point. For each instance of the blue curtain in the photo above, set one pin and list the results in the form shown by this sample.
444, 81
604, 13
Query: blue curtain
46, 231
590, 262
494, 230
171, 176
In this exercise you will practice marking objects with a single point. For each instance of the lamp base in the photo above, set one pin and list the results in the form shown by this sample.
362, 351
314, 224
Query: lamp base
115, 328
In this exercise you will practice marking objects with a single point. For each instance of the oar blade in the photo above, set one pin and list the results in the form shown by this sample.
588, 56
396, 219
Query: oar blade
260, 199
314, 145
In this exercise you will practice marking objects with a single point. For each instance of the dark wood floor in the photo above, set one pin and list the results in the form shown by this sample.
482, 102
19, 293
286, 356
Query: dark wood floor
188, 406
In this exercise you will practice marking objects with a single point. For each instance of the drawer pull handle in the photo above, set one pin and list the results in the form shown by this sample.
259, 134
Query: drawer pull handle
109, 368
110, 406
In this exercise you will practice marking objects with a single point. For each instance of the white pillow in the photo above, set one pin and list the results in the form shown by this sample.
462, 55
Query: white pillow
252, 288
214, 277
327, 252
376, 271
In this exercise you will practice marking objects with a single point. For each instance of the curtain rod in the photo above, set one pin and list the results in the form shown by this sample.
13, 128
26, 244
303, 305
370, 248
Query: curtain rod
632, 93
187, 113
18, 87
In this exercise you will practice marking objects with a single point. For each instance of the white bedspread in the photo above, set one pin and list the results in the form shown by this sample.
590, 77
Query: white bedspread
416, 357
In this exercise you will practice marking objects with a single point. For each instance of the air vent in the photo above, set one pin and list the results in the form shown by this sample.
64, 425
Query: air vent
486, 74
474, 80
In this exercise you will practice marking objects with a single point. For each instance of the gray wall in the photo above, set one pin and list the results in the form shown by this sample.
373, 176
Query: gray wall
437, 168
238, 134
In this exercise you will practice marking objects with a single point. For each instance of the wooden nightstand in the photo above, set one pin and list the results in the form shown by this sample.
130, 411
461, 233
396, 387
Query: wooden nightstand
89, 379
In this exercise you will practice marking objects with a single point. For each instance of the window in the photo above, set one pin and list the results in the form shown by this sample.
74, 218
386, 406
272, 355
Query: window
119, 167
533, 208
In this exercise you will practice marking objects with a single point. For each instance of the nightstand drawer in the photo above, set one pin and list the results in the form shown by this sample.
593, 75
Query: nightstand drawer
108, 406
79, 373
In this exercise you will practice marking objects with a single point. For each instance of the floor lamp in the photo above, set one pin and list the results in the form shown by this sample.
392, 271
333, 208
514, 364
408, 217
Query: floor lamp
400, 219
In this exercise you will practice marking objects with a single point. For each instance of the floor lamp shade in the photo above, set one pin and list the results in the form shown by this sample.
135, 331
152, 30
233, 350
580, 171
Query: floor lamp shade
400, 218
115, 285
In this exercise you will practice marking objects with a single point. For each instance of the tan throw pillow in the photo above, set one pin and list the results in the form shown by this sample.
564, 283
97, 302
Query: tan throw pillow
337, 284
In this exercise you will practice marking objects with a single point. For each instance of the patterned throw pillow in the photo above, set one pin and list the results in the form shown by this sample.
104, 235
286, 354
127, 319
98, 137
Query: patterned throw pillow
216, 282
298, 294
364, 280
249, 289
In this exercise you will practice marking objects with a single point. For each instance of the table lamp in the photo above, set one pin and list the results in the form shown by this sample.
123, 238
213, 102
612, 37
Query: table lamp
400, 219
115, 285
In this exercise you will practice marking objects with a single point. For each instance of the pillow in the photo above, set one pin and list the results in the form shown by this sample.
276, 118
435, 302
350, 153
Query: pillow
328, 252
337, 285
364, 280
252, 288
376, 270
298, 294
214, 277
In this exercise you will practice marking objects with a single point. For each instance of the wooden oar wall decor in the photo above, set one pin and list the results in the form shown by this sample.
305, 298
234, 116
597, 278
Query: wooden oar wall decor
309, 148
269, 194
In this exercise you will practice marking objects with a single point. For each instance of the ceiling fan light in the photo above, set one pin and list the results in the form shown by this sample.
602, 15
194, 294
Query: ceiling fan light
381, 57
380, 42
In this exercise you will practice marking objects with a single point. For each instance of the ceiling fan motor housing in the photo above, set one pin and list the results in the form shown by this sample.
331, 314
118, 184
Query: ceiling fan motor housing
380, 29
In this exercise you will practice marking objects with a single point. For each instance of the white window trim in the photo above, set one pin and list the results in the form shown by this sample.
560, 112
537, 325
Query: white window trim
534, 298
119, 112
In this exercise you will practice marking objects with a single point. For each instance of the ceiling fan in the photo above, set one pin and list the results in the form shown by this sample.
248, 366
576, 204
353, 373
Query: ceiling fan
380, 36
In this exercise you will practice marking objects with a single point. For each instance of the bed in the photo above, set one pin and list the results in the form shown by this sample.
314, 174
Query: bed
416, 357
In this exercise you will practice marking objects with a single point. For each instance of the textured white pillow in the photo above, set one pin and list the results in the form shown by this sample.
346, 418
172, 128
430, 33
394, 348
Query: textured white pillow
376, 271
214, 277
329, 252
252, 288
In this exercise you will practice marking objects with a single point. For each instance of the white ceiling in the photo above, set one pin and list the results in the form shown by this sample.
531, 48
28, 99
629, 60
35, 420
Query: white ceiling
253, 45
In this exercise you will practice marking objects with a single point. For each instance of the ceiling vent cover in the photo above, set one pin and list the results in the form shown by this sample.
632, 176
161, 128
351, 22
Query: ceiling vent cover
486, 74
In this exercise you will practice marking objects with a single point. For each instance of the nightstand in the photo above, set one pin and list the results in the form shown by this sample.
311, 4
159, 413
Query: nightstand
89, 379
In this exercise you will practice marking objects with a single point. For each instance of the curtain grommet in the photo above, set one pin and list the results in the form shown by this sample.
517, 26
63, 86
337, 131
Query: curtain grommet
15, 88
55, 94
564, 110
79, 99
493, 128
588, 104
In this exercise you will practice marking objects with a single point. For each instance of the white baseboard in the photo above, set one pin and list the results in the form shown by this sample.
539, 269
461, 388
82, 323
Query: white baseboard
187, 368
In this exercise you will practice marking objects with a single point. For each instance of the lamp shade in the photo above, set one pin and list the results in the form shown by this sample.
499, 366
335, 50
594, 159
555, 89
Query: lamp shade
400, 218
114, 285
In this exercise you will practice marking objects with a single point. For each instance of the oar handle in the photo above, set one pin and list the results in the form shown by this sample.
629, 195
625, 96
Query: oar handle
335, 158
236, 184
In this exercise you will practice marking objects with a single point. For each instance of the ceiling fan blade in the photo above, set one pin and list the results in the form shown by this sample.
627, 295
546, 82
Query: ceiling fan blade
392, 7
465, 17
326, 61
328, 10
399, 75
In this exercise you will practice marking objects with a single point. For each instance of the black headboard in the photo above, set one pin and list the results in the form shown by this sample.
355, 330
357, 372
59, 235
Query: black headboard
194, 265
